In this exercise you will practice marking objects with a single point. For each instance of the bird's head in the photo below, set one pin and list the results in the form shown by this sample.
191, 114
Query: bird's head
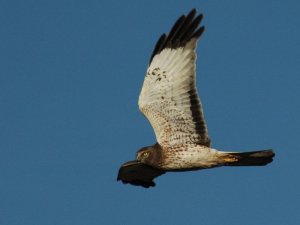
149, 155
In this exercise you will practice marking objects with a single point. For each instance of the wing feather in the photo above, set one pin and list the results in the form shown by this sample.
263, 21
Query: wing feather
139, 174
169, 97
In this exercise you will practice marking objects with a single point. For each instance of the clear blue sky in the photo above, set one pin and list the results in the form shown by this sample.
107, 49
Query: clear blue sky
70, 76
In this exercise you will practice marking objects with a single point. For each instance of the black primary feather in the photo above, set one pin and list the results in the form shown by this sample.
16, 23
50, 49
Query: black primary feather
138, 173
184, 29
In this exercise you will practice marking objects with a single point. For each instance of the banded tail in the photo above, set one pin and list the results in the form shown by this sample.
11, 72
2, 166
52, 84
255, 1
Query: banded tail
256, 158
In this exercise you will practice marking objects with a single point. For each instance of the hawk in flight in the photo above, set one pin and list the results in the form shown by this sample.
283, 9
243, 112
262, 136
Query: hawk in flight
170, 101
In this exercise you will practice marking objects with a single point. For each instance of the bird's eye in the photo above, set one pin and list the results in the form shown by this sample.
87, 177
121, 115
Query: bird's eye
145, 154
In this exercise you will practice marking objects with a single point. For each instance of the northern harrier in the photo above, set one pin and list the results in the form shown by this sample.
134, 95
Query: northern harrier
170, 102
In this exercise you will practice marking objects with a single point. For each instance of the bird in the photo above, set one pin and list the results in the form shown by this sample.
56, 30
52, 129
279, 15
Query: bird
169, 100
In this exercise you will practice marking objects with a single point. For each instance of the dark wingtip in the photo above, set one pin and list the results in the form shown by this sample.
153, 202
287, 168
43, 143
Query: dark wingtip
184, 29
199, 32
138, 174
143, 184
138, 183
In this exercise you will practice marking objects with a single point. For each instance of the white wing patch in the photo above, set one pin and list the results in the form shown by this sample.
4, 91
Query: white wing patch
165, 98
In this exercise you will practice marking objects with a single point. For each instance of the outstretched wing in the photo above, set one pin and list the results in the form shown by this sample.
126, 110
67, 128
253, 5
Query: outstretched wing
137, 173
169, 97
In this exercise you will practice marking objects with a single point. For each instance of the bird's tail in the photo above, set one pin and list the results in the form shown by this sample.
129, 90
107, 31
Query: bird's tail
256, 158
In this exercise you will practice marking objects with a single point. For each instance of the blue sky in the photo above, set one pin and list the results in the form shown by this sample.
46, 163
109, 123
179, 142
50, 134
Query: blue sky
70, 76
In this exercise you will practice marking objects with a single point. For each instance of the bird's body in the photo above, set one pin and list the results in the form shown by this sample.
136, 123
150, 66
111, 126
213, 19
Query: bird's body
195, 157
189, 157
170, 101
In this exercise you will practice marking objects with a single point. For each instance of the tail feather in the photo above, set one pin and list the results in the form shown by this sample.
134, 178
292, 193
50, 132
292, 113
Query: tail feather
256, 158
